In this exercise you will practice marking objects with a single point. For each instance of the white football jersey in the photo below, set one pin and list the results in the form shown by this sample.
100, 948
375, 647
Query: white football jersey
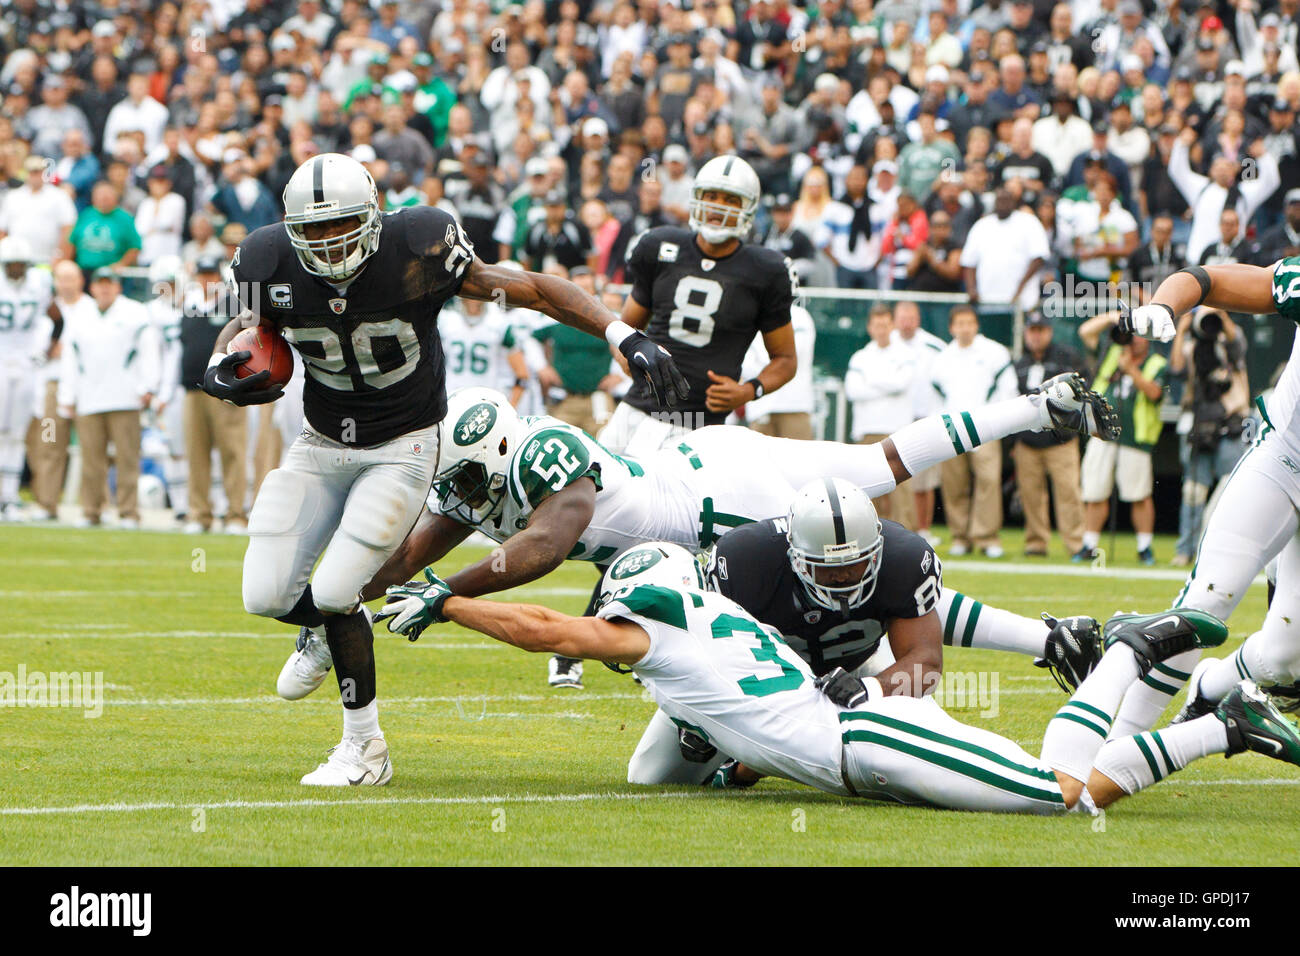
166, 318
634, 504
715, 670
476, 352
22, 305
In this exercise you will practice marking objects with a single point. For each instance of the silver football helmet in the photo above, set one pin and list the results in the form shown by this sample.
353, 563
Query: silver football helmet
834, 529
658, 562
731, 175
476, 441
325, 188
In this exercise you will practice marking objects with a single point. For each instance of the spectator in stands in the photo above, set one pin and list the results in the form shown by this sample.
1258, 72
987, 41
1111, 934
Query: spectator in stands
1227, 248
1062, 134
38, 212
109, 365
936, 263
203, 242
160, 220
55, 118
1159, 258
879, 383
789, 240
1283, 239
1132, 377
905, 232
137, 112
240, 196
578, 363
972, 370
847, 236
1100, 234
1003, 254
1209, 195
772, 134
78, 168
558, 238
1042, 457
104, 234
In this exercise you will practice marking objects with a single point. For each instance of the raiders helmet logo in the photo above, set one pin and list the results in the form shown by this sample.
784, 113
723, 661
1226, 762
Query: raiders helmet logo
338, 306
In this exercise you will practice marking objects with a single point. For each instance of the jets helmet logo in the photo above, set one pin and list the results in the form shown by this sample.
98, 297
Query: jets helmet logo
635, 563
475, 423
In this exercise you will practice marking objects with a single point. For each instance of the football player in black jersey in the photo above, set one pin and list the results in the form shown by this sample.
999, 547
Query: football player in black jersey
834, 579
705, 293
357, 292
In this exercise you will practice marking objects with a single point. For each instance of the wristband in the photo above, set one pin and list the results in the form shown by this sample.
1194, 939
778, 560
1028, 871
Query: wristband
1202, 279
215, 359
618, 332
759, 390
874, 690
1169, 309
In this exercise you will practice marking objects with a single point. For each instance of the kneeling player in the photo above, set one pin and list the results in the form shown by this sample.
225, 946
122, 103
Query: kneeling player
834, 580
715, 670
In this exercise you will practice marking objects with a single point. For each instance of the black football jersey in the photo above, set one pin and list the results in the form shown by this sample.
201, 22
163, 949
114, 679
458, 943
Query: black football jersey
751, 565
372, 352
705, 311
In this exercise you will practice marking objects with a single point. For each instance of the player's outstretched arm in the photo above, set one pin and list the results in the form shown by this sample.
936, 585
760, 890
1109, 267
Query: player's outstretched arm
544, 631
1237, 286
567, 303
917, 643
536, 551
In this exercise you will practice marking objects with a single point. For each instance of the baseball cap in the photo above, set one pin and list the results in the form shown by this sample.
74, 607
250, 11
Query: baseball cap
281, 42
595, 126
104, 272
422, 59
782, 201
556, 197
204, 264
379, 59
536, 167
1212, 23
275, 99
54, 82
477, 160
1280, 105
1292, 195
365, 153
104, 28
233, 155
1131, 61
885, 166
676, 153
1205, 43
1130, 8
1269, 20
1183, 74
938, 73
1036, 319
160, 172
35, 164
1100, 127
829, 83
1234, 68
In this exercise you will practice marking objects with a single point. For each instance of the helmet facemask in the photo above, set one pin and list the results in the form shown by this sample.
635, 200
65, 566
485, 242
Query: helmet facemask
338, 257
815, 571
736, 220
468, 494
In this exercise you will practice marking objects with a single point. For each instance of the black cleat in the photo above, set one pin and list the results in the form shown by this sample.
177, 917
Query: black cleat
1074, 409
1072, 651
1285, 697
694, 747
1255, 723
1157, 637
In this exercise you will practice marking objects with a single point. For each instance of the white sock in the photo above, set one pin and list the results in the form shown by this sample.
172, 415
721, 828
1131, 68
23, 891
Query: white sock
1079, 728
1144, 540
362, 722
11, 469
1147, 699
1091, 539
939, 438
969, 623
1139, 761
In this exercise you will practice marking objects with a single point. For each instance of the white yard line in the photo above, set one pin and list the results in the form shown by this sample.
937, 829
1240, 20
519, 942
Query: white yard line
567, 697
1070, 570
364, 802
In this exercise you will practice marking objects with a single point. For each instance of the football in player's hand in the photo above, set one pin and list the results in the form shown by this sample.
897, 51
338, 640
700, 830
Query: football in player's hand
270, 351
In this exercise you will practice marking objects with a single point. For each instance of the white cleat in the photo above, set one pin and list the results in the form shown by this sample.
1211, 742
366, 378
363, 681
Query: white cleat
14, 512
564, 672
307, 667
354, 763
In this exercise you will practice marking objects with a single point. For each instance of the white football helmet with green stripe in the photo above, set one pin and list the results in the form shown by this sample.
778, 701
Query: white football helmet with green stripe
657, 563
836, 543
476, 440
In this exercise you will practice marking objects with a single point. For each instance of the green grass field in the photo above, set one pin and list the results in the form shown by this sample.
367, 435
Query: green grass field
195, 761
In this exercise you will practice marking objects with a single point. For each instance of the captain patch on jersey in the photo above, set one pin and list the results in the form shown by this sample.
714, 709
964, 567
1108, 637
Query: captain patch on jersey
706, 311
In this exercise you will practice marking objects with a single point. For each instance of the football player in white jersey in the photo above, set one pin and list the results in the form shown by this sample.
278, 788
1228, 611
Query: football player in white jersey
482, 349
25, 298
167, 286
549, 492
718, 672
1258, 515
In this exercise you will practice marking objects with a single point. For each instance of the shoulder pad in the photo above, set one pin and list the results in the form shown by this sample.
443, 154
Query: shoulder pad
653, 602
548, 461
430, 231
258, 256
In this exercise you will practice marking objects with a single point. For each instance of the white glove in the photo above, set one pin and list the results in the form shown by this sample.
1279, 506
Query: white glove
1150, 322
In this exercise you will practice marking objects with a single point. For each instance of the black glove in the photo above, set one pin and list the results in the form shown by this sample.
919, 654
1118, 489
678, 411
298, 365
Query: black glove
219, 381
843, 689
694, 747
654, 362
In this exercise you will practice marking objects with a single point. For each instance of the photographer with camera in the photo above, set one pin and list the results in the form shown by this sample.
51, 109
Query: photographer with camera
1132, 378
1209, 351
